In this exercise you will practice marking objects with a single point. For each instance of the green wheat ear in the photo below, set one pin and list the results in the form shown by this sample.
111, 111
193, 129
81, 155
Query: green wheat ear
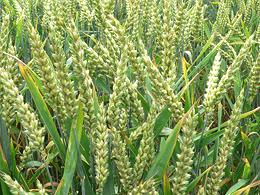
211, 86
226, 81
225, 147
17, 189
146, 150
122, 61
101, 150
162, 90
63, 73
4, 31
254, 79
184, 163
146, 187
14, 186
28, 118
47, 73
3, 44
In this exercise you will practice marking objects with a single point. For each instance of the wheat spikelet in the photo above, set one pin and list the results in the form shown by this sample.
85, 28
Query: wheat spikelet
212, 85
146, 150
112, 46
167, 42
47, 73
147, 187
87, 98
77, 50
14, 186
222, 19
86, 15
28, 119
3, 45
100, 58
137, 63
121, 159
11, 64
254, 78
167, 95
133, 22
153, 21
225, 148
227, 79
184, 163
134, 103
248, 11
116, 100
62, 70
48, 14
7, 107
201, 191
101, 150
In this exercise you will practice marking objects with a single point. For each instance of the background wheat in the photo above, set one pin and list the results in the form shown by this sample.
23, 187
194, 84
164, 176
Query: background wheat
129, 97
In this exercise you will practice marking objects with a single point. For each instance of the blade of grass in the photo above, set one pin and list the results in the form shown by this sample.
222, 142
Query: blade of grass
72, 154
4, 141
3, 169
161, 121
194, 183
17, 174
248, 187
166, 185
40, 170
163, 157
236, 186
242, 116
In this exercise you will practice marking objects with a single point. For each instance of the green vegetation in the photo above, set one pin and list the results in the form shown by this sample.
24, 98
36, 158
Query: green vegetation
129, 97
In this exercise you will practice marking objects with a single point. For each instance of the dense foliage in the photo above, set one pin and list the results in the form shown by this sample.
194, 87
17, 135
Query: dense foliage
129, 97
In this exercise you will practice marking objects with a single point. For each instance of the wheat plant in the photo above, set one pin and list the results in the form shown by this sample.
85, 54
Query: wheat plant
129, 97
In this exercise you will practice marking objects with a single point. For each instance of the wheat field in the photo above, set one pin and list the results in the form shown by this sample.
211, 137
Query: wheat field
129, 97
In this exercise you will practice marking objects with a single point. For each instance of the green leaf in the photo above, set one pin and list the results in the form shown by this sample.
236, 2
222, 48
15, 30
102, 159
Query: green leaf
4, 141
145, 103
245, 139
85, 147
4, 169
246, 171
163, 157
207, 139
103, 85
205, 47
161, 121
3, 163
109, 187
43, 109
242, 116
166, 185
237, 186
72, 154
246, 189
19, 30
15, 171
194, 183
